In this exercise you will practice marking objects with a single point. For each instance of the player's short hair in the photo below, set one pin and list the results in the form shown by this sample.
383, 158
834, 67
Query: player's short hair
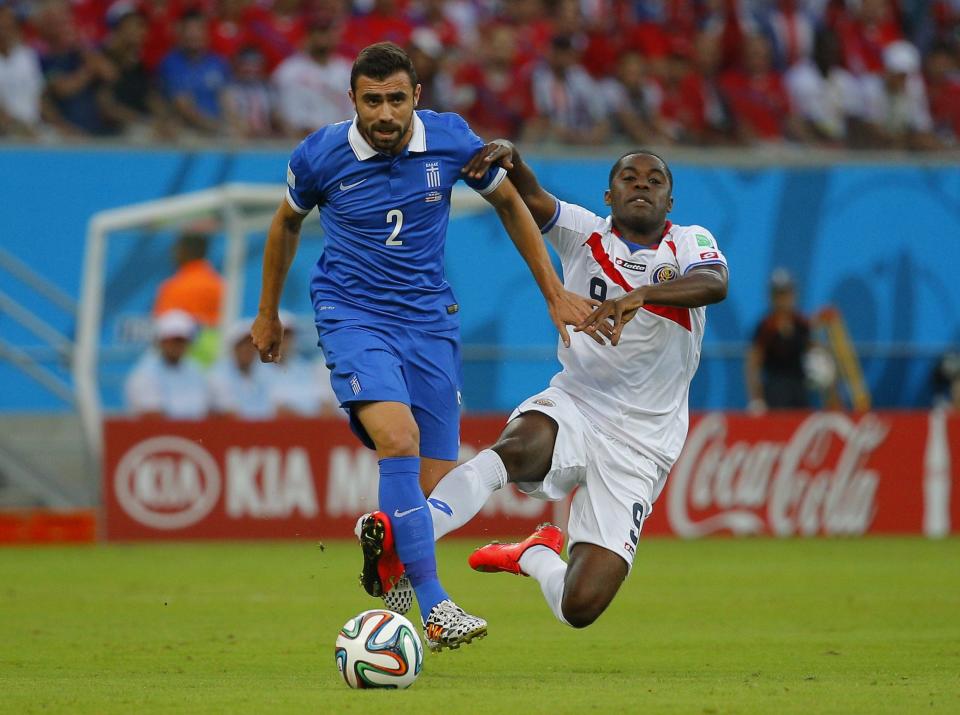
616, 165
380, 61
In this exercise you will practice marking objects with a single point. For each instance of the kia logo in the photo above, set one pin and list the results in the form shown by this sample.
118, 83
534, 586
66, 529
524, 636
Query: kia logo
167, 482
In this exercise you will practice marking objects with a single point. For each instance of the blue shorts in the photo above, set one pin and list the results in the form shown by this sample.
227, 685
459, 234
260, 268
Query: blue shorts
399, 363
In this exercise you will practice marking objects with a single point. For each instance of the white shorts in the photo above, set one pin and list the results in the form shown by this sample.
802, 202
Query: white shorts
617, 484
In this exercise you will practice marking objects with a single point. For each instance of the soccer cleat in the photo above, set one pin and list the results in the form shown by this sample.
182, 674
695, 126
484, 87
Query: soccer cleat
399, 599
506, 557
381, 565
449, 626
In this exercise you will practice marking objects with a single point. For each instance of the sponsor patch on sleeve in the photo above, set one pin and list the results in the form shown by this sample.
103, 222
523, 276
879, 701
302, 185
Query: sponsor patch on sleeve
705, 241
709, 254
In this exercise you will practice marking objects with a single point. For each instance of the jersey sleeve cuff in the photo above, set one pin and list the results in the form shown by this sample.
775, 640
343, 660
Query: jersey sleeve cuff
553, 219
294, 205
494, 182
704, 263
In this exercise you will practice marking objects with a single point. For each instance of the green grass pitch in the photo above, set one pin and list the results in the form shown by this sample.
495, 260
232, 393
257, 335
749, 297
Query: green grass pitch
709, 627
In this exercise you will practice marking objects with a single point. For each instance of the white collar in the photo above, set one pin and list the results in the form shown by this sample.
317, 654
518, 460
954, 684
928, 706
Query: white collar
363, 151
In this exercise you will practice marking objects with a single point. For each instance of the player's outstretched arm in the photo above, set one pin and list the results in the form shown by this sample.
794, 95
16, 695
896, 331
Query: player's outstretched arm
565, 308
700, 287
541, 203
282, 241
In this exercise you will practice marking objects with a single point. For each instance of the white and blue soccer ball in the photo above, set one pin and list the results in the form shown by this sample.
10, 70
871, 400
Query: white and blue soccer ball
379, 649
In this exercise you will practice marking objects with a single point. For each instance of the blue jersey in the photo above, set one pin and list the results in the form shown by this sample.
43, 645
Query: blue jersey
384, 218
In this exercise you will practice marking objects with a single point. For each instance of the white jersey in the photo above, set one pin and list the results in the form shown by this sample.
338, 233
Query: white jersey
178, 391
635, 392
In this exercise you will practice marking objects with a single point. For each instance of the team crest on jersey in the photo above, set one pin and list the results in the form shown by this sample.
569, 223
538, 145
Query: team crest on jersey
544, 402
432, 169
630, 265
664, 273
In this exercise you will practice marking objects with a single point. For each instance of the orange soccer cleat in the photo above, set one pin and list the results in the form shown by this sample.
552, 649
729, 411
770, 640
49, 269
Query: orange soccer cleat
506, 557
382, 568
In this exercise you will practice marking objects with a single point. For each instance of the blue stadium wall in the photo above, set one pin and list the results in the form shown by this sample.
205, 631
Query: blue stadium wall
881, 242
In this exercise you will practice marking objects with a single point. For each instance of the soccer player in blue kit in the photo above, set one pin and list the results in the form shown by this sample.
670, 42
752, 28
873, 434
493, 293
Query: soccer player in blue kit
386, 316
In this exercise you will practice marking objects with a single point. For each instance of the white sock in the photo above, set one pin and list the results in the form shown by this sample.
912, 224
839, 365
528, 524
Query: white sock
463, 492
549, 569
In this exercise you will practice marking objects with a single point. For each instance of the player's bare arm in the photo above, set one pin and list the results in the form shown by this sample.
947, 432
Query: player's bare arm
702, 286
565, 308
541, 203
283, 238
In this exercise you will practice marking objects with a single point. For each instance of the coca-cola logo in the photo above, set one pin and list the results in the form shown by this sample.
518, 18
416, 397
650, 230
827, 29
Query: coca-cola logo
167, 482
815, 482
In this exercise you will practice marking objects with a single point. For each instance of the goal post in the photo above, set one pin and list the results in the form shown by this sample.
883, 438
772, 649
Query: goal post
241, 209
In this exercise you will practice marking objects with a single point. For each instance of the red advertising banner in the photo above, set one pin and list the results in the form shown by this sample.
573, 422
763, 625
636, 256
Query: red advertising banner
785, 474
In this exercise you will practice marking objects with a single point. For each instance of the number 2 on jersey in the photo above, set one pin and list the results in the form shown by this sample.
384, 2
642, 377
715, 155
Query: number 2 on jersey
395, 215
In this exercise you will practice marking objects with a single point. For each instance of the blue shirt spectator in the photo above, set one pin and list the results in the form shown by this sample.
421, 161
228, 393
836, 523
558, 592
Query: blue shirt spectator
194, 78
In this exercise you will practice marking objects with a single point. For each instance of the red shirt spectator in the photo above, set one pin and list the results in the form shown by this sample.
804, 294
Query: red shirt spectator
382, 24
228, 28
865, 34
943, 92
756, 94
277, 32
493, 94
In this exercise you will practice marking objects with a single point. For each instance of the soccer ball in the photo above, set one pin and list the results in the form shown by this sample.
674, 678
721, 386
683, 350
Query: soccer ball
379, 649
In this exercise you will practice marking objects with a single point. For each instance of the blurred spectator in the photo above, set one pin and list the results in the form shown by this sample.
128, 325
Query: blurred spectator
570, 107
277, 29
865, 30
896, 101
21, 80
827, 98
426, 53
228, 28
239, 382
946, 380
297, 386
194, 78
492, 92
195, 288
791, 27
756, 95
129, 101
633, 98
433, 15
247, 99
165, 382
943, 85
311, 86
775, 362
72, 70
384, 23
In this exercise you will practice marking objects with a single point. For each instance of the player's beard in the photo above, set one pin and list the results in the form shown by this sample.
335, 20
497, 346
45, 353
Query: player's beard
642, 223
384, 144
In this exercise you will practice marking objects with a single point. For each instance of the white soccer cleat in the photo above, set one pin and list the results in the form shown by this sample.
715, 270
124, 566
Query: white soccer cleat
399, 599
449, 626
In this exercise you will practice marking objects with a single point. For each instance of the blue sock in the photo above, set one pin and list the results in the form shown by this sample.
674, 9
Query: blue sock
402, 500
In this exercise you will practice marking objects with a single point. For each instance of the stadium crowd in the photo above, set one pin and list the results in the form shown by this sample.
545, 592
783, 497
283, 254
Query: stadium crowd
836, 73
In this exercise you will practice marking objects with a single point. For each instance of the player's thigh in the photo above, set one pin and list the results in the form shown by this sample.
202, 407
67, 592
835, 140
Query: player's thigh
594, 575
366, 369
546, 456
616, 497
431, 368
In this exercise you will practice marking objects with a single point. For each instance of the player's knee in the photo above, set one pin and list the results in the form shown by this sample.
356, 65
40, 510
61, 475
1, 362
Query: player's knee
397, 441
526, 455
512, 453
579, 615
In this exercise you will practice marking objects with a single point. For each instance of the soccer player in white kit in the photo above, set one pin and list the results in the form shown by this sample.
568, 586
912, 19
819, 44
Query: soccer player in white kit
613, 420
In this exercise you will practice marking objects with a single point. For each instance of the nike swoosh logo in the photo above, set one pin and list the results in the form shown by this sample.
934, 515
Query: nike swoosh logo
347, 187
400, 514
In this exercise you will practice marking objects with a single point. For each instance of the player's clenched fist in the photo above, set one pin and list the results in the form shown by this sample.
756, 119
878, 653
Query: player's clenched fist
267, 332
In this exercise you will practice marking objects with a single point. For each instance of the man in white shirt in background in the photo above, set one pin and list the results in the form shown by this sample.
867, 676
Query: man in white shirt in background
21, 81
299, 387
311, 86
239, 383
165, 382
